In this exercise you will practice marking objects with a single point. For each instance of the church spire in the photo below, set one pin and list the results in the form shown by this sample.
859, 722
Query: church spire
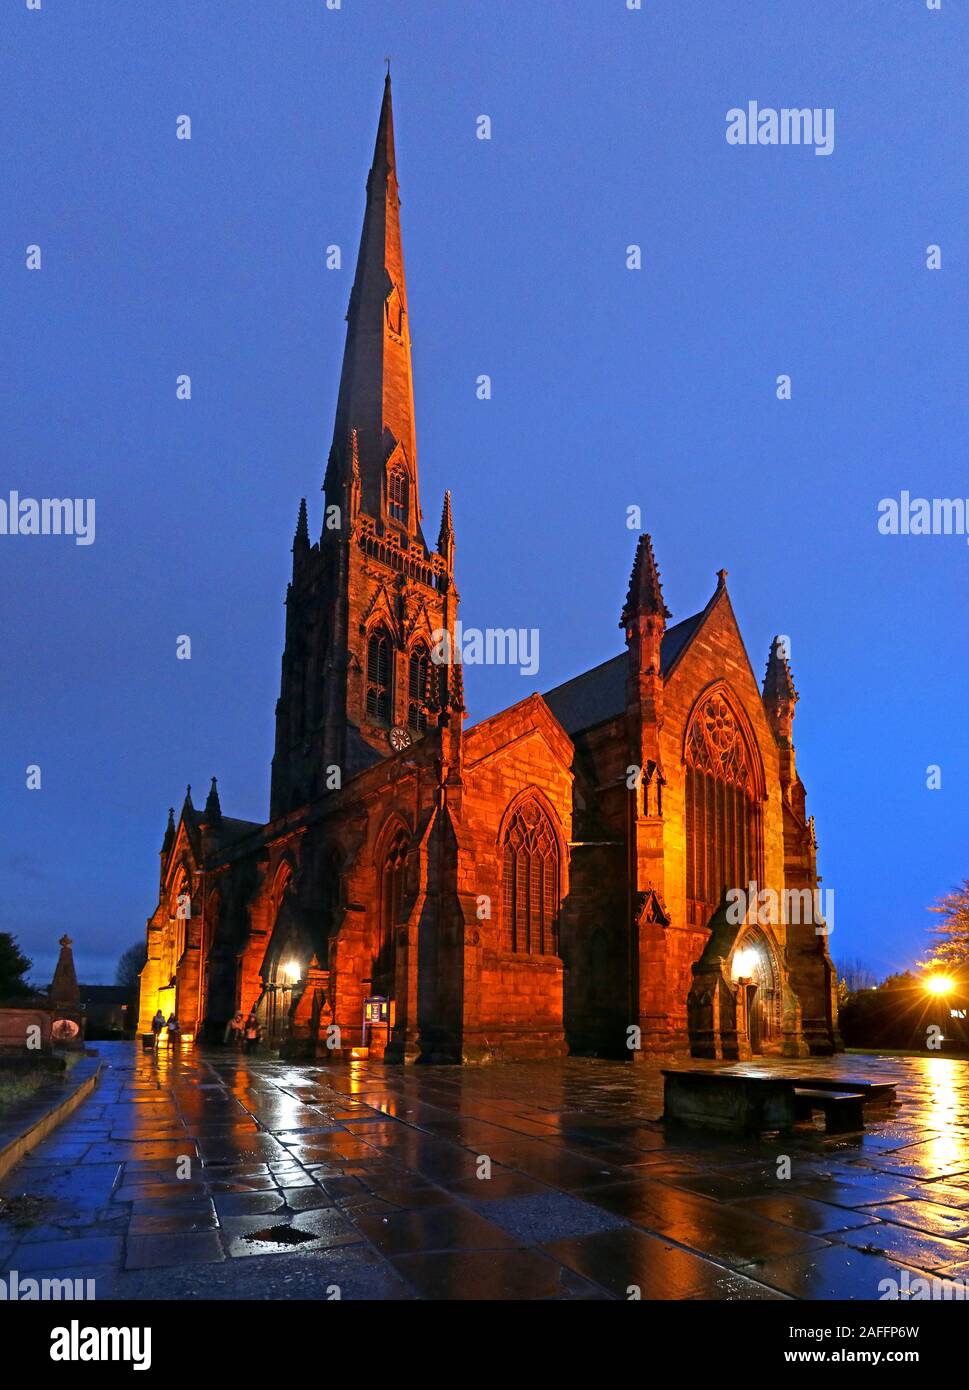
376, 397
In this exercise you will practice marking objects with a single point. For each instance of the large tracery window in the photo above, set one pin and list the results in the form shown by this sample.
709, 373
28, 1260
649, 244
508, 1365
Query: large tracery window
179, 914
379, 677
391, 899
530, 882
417, 688
723, 820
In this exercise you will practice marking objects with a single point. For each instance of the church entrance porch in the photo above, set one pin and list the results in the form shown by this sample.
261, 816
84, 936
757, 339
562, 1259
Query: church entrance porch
756, 973
741, 1002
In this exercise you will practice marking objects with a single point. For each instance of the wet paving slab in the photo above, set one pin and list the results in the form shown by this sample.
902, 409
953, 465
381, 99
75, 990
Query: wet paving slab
205, 1174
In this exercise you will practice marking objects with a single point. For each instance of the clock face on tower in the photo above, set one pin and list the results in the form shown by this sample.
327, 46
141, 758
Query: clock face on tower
400, 738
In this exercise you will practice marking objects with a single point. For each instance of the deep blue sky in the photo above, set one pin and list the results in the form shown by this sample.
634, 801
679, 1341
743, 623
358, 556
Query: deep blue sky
611, 388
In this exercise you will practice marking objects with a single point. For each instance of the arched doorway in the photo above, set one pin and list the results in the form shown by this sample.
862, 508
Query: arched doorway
283, 963
755, 970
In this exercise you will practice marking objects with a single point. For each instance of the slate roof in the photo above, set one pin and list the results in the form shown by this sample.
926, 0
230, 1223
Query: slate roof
600, 694
229, 828
233, 829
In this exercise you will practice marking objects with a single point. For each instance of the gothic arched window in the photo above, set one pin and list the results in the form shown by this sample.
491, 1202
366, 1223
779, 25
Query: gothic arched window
392, 871
530, 882
379, 676
417, 670
723, 822
180, 913
397, 494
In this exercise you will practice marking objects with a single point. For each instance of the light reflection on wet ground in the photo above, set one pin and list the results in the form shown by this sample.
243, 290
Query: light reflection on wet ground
211, 1175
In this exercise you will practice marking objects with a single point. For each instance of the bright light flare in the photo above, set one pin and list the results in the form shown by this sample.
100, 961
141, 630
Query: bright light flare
938, 984
743, 964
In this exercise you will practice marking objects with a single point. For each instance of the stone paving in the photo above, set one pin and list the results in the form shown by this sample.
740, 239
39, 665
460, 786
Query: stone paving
219, 1176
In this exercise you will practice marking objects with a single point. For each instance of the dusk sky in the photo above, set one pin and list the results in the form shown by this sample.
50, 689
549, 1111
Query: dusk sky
612, 388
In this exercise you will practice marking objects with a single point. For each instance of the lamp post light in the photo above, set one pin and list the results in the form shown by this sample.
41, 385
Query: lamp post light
938, 987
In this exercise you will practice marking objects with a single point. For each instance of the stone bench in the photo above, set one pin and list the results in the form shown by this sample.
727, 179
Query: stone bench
728, 1101
749, 1102
843, 1110
875, 1092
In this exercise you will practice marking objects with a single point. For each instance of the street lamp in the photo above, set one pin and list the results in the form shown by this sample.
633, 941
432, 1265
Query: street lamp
939, 985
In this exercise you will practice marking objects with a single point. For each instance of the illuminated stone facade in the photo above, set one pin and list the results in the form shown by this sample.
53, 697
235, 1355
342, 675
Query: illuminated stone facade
540, 882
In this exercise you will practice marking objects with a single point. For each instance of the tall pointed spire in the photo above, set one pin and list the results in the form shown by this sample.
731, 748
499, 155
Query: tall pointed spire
383, 151
376, 397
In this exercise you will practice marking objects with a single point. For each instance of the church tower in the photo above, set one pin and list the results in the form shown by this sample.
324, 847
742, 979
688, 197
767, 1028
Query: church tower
367, 603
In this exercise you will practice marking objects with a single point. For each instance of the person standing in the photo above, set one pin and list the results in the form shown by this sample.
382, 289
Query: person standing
253, 1032
235, 1029
173, 1030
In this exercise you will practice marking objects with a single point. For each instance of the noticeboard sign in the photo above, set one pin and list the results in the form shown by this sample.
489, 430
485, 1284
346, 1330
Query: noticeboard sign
376, 1009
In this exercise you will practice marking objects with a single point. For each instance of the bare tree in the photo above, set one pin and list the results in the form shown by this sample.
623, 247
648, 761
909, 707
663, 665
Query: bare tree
854, 975
130, 965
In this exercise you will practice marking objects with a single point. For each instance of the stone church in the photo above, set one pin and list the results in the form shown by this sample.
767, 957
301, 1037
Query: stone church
550, 880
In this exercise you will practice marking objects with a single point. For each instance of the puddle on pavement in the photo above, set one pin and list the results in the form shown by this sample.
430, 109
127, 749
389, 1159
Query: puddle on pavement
280, 1235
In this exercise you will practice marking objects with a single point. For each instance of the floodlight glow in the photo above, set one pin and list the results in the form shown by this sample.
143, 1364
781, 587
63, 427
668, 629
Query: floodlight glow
743, 964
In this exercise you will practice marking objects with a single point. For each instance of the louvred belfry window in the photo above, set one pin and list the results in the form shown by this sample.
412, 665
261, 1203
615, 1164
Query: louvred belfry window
379, 677
724, 847
417, 688
530, 883
397, 496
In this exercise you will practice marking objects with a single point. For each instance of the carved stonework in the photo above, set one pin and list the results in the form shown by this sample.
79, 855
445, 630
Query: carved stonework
650, 910
716, 745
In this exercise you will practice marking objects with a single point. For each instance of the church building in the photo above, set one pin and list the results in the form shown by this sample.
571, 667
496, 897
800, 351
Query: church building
553, 879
